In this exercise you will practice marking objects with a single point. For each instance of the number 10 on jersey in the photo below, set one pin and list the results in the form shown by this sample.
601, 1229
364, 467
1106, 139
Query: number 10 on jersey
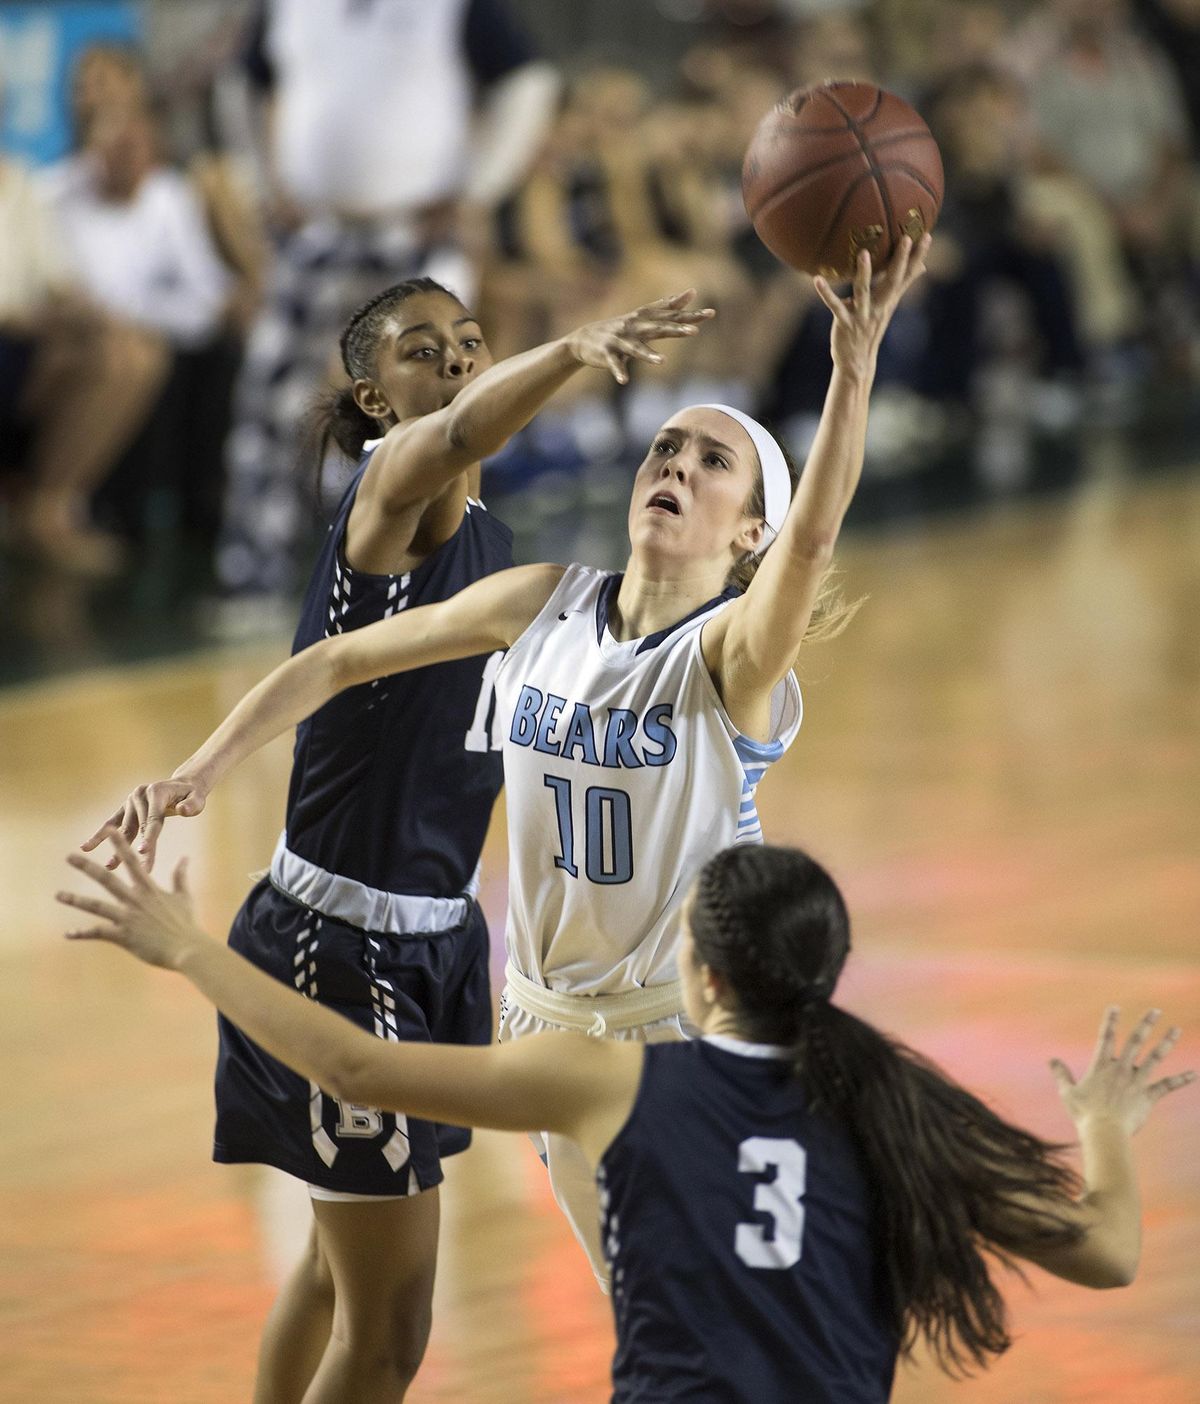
605, 828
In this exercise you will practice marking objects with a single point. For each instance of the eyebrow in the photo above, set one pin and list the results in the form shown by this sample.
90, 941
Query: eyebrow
701, 436
428, 326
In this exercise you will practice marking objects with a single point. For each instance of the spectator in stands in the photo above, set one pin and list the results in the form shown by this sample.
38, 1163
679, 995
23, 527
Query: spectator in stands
1108, 110
136, 233
76, 385
978, 116
378, 174
1174, 25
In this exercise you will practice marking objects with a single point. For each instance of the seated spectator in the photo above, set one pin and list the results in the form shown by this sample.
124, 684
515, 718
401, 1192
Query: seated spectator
1109, 112
114, 77
1174, 25
135, 231
77, 384
986, 238
141, 245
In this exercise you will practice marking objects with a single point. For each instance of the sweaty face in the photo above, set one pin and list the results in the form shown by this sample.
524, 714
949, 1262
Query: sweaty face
431, 349
690, 494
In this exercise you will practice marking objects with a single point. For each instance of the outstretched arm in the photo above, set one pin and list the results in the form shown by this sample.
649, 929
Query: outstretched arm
419, 457
751, 646
557, 1082
488, 615
1108, 1105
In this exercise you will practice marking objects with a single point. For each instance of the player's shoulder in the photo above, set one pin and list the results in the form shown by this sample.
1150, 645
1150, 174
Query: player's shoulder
583, 580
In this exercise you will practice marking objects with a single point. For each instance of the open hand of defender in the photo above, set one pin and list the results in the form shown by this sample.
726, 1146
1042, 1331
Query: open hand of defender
1115, 1087
612, 344
148, 921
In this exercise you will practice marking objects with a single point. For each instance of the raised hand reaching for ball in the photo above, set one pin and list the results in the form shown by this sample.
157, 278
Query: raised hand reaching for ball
860, 320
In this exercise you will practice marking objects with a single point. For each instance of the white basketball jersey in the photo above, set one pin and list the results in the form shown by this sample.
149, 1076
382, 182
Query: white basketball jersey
623, 775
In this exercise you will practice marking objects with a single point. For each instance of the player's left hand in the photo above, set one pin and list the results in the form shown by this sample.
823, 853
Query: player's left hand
860, 320
1116, 1086
139, 916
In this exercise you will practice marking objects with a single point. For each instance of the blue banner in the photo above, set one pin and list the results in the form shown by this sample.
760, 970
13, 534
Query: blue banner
39, 47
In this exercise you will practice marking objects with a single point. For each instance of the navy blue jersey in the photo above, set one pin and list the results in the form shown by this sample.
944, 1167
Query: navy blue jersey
736, 1225
393, 781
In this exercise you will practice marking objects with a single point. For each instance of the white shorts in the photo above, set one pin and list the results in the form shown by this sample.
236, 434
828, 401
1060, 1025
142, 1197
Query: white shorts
572, 1178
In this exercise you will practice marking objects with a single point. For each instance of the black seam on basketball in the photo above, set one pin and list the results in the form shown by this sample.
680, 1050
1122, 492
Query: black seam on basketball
912, 134
888, 213
800, 181
917, 177
841, 209
827, 91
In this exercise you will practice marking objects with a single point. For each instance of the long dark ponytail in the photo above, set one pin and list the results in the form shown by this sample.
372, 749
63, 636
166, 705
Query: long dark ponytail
336, 417
948, 1176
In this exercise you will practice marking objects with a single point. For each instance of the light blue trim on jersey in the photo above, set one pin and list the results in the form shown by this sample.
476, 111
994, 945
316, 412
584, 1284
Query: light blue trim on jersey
757, 754
756, 757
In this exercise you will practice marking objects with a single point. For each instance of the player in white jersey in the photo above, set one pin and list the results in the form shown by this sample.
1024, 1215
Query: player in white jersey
674, 692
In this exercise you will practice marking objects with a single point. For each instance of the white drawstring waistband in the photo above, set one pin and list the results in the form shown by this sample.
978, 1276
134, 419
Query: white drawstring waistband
595, 1015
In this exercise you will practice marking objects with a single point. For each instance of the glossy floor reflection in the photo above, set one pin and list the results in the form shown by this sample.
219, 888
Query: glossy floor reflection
1000, 761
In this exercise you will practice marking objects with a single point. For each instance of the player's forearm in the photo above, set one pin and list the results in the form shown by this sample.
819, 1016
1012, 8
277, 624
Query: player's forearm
1114, 1239
833, 468
506, 397
464, 1086
284, 698
315, 1042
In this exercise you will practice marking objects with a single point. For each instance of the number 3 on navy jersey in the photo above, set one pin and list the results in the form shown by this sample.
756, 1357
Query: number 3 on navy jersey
607, 831
781, 1198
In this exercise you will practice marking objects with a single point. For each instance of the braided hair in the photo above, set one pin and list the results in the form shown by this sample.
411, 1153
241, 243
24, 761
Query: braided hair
337, 416
949, 1178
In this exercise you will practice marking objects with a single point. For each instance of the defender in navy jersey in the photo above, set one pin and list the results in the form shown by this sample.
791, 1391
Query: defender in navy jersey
429, 797
772, 1287
790, 1200
369, 906
388, 805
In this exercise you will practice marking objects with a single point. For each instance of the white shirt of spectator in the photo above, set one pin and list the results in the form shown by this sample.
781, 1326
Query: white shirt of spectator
150, 260
372, 102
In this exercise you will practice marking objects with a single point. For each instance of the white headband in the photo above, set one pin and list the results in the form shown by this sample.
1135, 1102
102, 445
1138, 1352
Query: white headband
777, 481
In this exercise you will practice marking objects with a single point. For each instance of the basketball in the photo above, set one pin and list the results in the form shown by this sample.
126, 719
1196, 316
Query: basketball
837, 168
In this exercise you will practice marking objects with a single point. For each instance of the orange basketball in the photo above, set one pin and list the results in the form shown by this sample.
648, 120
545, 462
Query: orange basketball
837, 168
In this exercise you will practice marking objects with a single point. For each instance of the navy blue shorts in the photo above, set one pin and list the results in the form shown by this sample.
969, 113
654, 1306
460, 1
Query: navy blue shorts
428, 988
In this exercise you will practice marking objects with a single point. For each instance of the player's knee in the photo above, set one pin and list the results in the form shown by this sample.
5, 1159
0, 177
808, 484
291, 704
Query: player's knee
388, 1345
410, 1335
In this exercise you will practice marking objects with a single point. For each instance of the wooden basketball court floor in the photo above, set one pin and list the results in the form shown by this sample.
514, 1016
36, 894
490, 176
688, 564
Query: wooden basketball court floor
1000, 761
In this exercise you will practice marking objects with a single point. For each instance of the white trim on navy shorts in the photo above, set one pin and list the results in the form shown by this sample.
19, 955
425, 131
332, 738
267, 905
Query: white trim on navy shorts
368, 908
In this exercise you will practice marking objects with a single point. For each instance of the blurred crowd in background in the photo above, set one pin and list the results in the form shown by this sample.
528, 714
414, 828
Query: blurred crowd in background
241, 175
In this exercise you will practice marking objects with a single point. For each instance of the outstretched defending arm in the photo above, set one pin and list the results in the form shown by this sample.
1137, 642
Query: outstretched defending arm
1108, 1104
487, 615
418, 458
560, 1081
